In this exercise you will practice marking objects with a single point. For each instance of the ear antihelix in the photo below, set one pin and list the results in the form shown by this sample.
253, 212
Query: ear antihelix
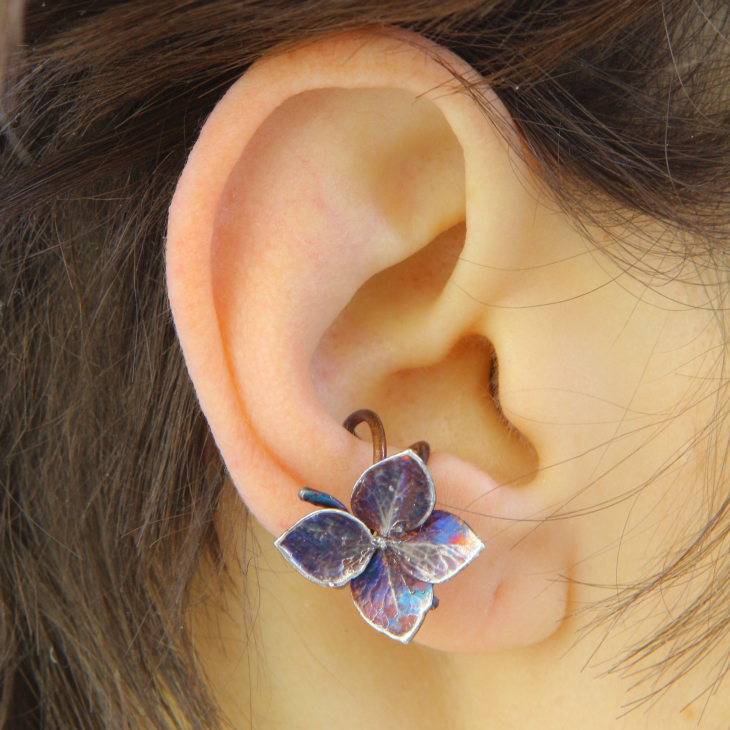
286, 262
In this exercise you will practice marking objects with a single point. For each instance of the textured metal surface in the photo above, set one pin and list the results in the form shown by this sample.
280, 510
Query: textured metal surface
389, 600
392, 550
437, 550
394, 495
330, 547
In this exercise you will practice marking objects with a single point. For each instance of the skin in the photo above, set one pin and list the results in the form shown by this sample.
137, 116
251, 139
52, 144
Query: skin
350, 231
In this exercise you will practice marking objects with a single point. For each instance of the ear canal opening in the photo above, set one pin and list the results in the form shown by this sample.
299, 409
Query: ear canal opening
454, 404
458, 398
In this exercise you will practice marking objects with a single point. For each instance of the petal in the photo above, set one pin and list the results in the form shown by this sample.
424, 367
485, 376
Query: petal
330, 547
320, 499
439, 549
394, 495
389, 600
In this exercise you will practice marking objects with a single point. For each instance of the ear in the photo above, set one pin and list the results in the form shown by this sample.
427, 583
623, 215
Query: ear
314, 268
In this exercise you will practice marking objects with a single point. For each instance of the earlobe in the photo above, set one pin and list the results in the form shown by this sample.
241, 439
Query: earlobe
300, 290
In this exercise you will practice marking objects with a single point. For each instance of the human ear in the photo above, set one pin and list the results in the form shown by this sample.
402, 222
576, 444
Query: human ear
313, 265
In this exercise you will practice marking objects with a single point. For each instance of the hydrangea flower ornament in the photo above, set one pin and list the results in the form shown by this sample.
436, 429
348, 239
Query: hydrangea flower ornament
394, 546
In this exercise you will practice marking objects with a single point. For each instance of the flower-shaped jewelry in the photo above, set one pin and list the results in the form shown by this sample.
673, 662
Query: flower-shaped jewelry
393, 548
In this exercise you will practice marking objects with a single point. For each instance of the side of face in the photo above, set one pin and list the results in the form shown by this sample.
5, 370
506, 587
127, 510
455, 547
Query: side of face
352, 230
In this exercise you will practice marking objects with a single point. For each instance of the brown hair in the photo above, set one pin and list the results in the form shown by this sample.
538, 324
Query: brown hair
109, 477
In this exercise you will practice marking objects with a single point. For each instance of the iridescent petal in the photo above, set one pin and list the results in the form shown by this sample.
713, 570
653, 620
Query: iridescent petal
330, 547
389, 600
438, 549
394, 495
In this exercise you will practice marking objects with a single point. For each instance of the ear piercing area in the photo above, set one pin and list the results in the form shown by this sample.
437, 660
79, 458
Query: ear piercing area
393, 548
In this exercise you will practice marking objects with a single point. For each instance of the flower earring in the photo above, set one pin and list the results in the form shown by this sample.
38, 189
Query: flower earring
393, 548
